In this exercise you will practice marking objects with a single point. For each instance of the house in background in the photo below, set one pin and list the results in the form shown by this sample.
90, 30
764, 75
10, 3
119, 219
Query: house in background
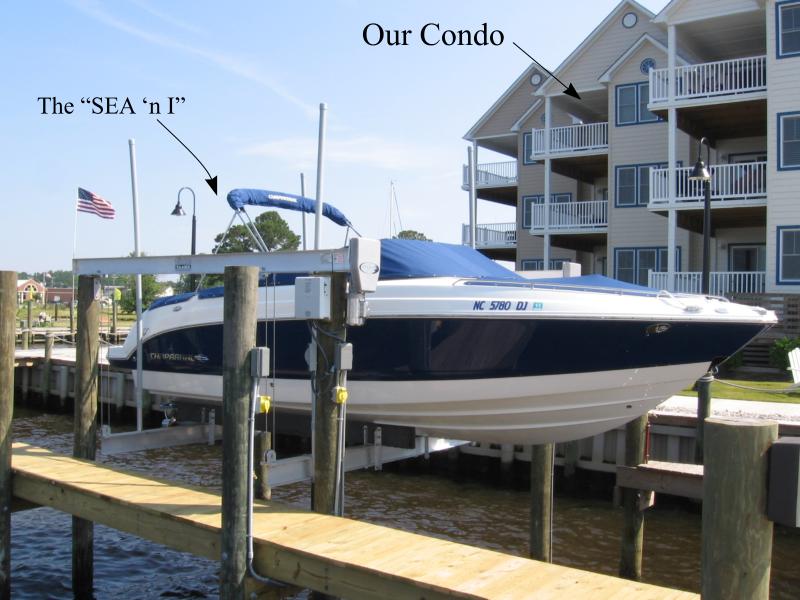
604, 180
29, 289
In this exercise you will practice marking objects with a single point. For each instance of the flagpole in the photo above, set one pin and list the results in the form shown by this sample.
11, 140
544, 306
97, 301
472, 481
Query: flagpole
74, 256
139, 326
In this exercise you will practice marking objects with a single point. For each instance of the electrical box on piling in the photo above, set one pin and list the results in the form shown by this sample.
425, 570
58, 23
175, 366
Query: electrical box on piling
312, 298
783, 503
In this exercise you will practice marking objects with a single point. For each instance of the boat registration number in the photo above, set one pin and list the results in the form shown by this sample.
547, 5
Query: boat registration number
506, 305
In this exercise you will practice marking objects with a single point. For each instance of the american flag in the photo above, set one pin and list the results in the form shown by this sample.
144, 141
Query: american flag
92, 203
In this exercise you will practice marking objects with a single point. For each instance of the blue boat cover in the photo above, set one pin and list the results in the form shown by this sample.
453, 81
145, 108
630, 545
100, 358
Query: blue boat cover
407, 259
240, 197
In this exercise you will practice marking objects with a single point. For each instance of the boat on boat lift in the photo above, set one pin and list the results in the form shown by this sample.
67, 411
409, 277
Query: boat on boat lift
456, 346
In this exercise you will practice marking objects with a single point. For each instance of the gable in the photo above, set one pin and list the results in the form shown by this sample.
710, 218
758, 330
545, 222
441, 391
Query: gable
501, 117
629, 67
604, 46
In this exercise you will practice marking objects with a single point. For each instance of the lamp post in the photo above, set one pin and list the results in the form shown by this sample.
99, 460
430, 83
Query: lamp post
701, 172
179, 212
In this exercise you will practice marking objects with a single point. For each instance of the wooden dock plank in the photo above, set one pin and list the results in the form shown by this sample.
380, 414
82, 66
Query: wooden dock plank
330, 554
678, 479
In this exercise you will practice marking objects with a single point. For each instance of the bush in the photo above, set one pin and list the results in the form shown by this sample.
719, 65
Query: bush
778, 353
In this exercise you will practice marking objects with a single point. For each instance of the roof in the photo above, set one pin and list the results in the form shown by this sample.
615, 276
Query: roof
585, 44
645, 37
664, 15
471, 134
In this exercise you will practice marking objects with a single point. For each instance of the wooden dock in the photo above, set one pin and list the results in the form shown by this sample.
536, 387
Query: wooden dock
330, 554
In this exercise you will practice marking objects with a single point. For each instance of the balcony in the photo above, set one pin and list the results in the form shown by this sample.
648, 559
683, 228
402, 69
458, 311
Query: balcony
499, 174
739, 184
723, 80
590, 138
576, 217
722, 283
492, 235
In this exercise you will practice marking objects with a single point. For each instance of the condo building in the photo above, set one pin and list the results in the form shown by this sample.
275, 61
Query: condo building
605, 180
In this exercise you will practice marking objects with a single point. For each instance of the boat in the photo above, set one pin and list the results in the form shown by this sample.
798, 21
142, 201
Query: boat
454, 345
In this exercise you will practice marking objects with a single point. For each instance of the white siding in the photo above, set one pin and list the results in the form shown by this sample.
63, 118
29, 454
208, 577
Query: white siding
698, 10
784, 186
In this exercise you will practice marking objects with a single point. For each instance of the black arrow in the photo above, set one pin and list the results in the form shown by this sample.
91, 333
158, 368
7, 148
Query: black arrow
570, 89
211, 181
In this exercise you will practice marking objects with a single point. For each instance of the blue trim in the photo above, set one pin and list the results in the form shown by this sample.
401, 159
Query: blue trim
638, 201
795, 113
778, 245
744, 245
540, 262
778, 53
527, 148
639, 120
636, 249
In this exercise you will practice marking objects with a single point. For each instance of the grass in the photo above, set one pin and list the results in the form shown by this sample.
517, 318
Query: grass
720, 390
123, 319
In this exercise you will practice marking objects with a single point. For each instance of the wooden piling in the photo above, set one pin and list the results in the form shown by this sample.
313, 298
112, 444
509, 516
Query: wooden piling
71, 319
541, 502
114, 315
703, 386
47, 366
8, 318
262, 490
238, 340
28, 338
326, 410
737, 536
85, 425
630, 563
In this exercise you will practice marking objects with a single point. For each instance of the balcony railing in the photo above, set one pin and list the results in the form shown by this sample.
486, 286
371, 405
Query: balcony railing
721, 283
734, 183
492, 235
708, 80
493, 174
590, 137
588, 215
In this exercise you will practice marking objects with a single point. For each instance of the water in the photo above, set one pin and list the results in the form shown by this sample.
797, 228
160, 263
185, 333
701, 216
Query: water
586, 531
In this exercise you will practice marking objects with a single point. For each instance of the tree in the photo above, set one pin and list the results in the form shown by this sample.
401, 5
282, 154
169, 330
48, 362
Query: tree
410, 234
275, 232
150, 290
273, 229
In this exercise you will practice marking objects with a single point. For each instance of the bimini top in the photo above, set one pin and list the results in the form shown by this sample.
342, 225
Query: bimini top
238, 198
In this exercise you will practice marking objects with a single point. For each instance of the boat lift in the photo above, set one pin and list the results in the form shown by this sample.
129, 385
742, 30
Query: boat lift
360, 259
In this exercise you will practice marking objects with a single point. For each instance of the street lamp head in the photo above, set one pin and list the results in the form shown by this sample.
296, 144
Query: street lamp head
699, 171
178, 210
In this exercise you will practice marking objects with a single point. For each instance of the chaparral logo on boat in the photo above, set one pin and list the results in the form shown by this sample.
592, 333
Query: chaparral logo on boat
176, 356
370, 268
658, 328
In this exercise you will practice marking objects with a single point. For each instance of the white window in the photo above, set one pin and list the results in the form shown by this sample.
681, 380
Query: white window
747, 258
789, 140
789, 242
626, 104
788, 29
537, 264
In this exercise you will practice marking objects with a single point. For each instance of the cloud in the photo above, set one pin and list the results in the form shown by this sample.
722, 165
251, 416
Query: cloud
226, 62
368, 151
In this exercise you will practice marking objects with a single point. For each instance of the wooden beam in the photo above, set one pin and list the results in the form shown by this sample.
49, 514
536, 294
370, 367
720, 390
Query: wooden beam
676, 479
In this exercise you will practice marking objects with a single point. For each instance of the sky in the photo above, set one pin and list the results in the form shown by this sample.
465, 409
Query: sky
253, 75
